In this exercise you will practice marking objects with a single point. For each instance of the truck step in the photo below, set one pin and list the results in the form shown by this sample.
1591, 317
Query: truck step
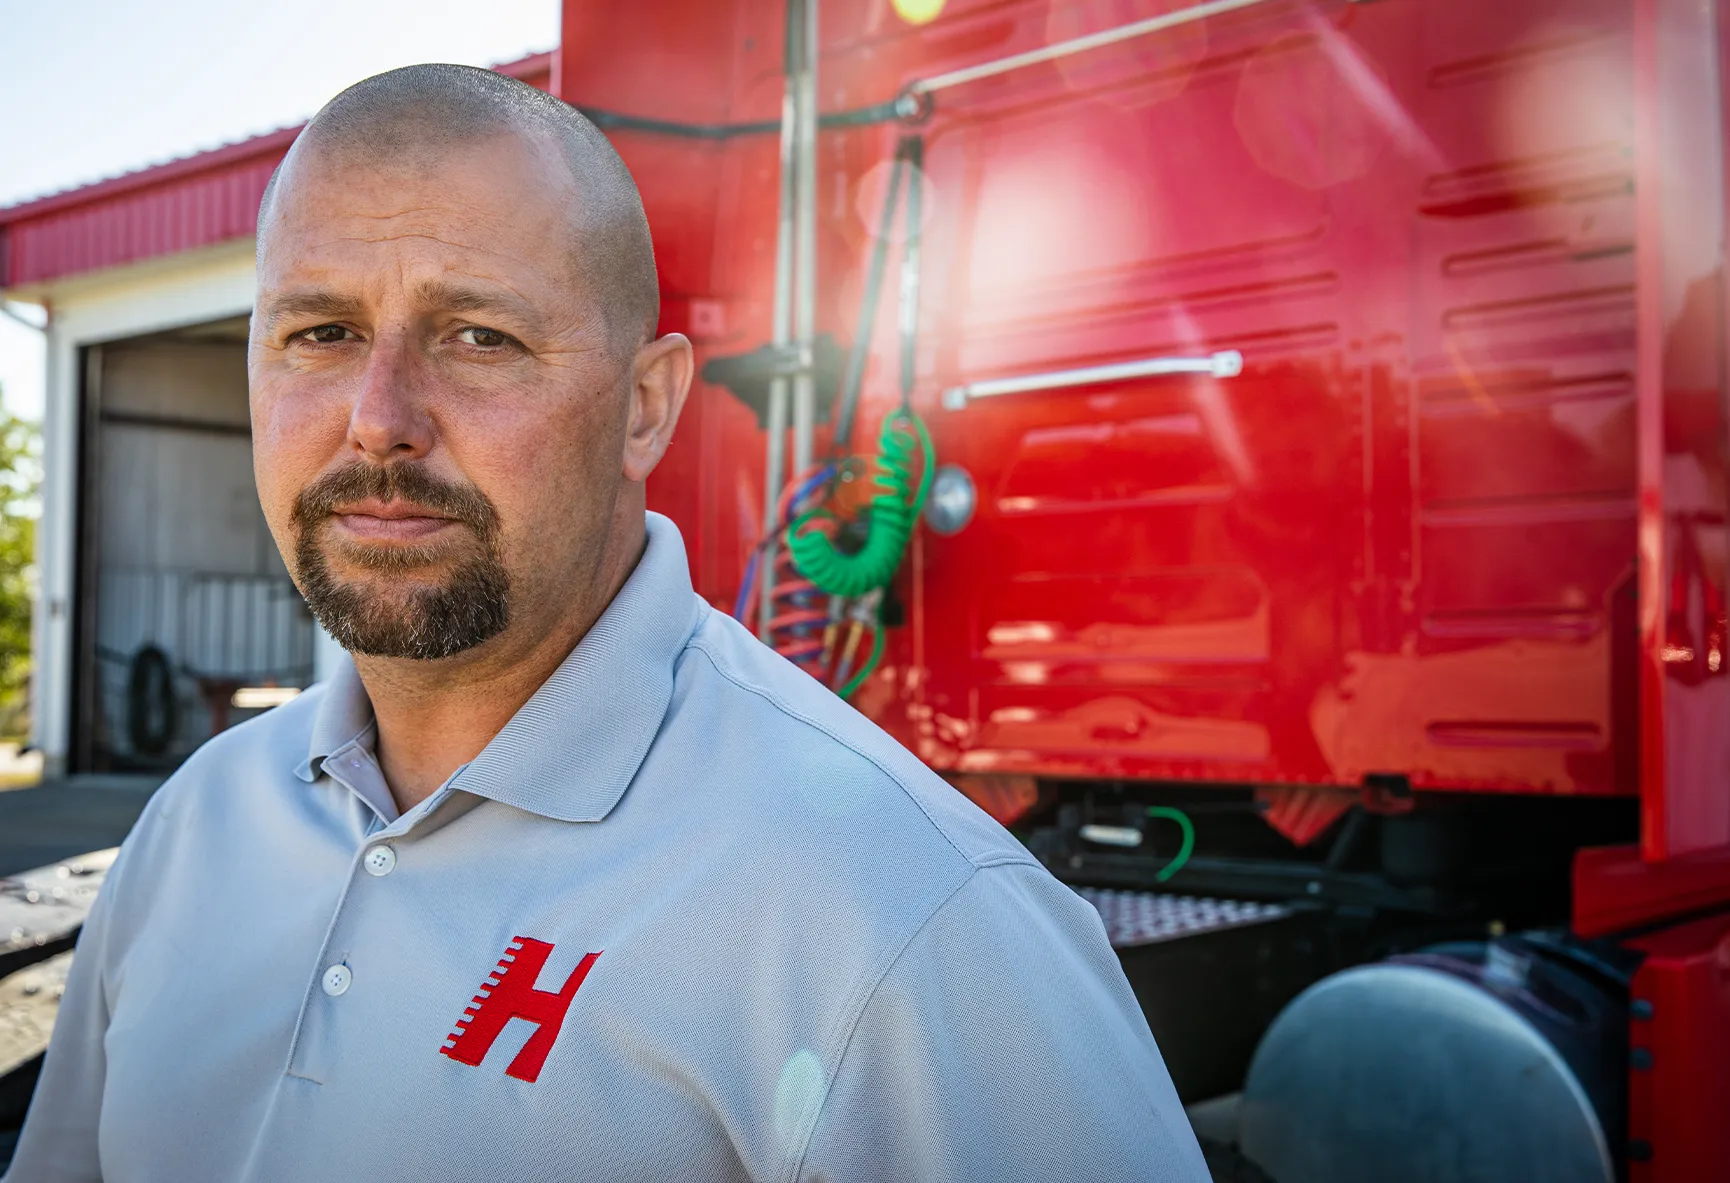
1144, 917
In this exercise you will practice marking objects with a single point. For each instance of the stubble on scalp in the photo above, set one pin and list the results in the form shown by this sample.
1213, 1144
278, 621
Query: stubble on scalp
422, 113
470, 606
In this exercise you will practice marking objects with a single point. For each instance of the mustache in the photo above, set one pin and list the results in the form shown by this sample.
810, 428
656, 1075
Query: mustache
361, 481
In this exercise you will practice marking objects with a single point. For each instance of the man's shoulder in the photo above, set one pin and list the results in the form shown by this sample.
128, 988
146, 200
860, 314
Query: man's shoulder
229, 789
801, 745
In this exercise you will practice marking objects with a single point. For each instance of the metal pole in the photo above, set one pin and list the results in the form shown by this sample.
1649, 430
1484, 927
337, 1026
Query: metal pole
774, 467
909, 310
1074, 45
805, 235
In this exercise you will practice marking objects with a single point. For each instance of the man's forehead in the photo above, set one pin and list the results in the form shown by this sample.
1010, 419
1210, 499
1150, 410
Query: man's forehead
457, 273
485, 221
509, 177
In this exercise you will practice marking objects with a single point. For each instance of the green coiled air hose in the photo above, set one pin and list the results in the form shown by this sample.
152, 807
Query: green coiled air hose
894, 510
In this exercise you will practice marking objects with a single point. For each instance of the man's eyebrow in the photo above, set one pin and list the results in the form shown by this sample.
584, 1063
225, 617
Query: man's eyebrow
441, 294
449, 296
288, 305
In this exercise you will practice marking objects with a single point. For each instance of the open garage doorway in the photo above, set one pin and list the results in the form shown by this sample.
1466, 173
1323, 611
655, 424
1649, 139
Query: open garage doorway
186, 619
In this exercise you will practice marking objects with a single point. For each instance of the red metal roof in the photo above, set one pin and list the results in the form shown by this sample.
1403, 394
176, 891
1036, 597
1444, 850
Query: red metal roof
196, 201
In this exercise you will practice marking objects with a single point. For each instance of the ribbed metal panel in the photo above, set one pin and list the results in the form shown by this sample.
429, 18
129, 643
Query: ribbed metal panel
198, 201
176, 214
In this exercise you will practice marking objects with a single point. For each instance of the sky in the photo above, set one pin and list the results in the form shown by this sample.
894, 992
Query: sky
94, 88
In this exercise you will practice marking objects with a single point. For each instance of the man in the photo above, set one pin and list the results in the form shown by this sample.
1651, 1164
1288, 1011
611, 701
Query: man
567, 877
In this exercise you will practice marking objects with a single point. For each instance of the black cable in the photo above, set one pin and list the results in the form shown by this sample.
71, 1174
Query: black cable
1350, 837
855, 375
865, 116
857, 117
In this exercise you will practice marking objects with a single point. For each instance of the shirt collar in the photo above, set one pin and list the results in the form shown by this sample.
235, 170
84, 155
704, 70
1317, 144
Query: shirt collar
344, 716
572, 750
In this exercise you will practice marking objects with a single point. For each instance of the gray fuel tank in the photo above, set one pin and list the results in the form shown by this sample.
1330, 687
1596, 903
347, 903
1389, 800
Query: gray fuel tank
1418, 1073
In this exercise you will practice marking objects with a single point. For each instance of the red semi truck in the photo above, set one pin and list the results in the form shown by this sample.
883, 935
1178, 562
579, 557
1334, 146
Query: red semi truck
1325, 564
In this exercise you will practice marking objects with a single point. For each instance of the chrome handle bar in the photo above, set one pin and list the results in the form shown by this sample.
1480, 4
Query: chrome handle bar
1225, 364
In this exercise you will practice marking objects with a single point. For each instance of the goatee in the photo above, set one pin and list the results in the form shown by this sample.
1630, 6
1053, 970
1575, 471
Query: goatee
471, 606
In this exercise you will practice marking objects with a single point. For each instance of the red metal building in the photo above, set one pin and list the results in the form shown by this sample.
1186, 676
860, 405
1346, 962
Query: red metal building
197, 201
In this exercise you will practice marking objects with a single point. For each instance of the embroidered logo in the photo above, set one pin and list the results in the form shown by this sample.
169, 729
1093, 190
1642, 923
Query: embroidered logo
509, 993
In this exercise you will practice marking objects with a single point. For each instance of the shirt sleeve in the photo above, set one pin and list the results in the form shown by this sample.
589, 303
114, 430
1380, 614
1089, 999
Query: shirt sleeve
58, 1142
1005, 1044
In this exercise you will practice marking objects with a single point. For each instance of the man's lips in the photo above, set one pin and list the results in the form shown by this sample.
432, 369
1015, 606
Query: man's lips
389, 521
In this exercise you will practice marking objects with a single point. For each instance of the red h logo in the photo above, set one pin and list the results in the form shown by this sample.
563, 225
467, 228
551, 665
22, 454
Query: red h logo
510, 993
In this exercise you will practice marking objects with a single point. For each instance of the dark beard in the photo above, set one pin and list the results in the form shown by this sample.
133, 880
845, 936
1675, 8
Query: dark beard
471, 606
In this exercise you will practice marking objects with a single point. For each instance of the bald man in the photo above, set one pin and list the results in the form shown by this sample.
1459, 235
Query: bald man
565, 876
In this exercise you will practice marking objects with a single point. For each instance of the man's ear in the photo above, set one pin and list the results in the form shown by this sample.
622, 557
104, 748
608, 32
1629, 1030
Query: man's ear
661, 377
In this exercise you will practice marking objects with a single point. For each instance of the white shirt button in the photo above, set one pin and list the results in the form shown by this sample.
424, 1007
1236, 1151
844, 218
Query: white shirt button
336, 980
380, 860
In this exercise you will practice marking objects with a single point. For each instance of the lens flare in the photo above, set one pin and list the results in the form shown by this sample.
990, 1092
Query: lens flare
918, 12
798, 1093
1137, 73
1305, 120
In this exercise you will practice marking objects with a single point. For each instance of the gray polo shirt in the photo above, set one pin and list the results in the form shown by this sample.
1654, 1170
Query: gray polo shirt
688, 916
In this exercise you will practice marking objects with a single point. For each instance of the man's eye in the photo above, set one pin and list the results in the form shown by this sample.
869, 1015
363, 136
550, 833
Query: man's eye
325, 334
483, 338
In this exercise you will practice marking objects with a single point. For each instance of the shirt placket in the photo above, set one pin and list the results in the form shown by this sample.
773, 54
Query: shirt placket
374, 859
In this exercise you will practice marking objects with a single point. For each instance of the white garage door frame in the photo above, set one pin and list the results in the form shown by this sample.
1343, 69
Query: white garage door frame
213, 283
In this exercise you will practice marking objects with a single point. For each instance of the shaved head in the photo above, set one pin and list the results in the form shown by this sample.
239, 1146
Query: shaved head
420, 115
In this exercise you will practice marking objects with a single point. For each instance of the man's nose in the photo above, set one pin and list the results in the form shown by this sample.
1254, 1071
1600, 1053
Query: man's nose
389, 420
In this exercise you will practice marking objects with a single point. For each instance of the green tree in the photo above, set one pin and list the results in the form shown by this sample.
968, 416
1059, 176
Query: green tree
20, 487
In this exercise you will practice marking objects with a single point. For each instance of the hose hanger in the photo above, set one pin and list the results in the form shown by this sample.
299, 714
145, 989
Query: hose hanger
822, 572
856, 576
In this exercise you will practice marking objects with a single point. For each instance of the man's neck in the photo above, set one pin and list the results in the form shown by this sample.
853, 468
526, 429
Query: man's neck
435, 716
